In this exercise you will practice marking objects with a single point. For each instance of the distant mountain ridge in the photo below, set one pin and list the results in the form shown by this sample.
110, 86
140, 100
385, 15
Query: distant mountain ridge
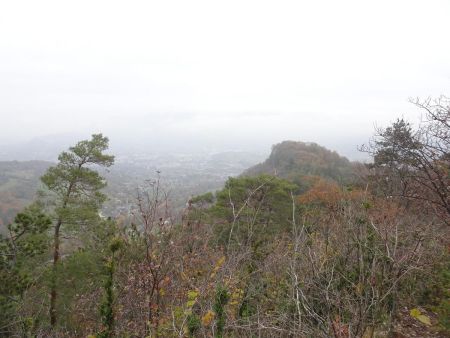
293, 159
41, 148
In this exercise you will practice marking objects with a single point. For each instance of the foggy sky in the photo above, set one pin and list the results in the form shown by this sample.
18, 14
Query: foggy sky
228, 73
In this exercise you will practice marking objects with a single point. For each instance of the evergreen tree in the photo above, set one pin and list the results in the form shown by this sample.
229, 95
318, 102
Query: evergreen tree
107, 306
76, 190
27, 239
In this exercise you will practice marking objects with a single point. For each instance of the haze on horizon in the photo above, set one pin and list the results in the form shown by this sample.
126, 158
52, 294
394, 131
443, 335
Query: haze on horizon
230, 75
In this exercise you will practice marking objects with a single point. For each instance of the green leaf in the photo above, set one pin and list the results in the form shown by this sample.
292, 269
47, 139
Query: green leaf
192, 295
415, 312
424, 319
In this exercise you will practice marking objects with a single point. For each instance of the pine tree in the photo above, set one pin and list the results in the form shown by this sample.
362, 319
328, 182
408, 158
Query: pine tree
76, 190
27, 239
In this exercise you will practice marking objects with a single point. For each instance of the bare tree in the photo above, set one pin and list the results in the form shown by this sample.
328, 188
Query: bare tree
413, 163
346, 271
150, 251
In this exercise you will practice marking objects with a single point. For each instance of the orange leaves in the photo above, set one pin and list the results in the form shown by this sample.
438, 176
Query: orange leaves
340, 330
322, 191
207, 318
328, 193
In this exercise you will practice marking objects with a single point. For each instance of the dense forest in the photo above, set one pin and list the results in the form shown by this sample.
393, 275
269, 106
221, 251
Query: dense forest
305, 244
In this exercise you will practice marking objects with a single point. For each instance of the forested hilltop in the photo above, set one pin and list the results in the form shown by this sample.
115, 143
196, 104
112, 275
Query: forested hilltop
305, 244
295, 160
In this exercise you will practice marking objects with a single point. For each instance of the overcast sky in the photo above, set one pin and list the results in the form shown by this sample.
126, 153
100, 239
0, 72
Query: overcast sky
226, 72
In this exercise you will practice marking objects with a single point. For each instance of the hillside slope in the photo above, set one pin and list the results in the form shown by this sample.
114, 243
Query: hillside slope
181, 174
19, 182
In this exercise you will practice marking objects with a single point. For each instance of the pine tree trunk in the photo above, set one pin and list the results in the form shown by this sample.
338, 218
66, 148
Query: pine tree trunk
53, 291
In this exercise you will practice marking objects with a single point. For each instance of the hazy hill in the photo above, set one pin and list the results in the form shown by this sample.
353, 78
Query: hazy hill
18, 184
183, 174
292, 160
42, 148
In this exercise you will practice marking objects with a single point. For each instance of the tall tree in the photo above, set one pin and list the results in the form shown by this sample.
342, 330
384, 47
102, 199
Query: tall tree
76, 189
414, 163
